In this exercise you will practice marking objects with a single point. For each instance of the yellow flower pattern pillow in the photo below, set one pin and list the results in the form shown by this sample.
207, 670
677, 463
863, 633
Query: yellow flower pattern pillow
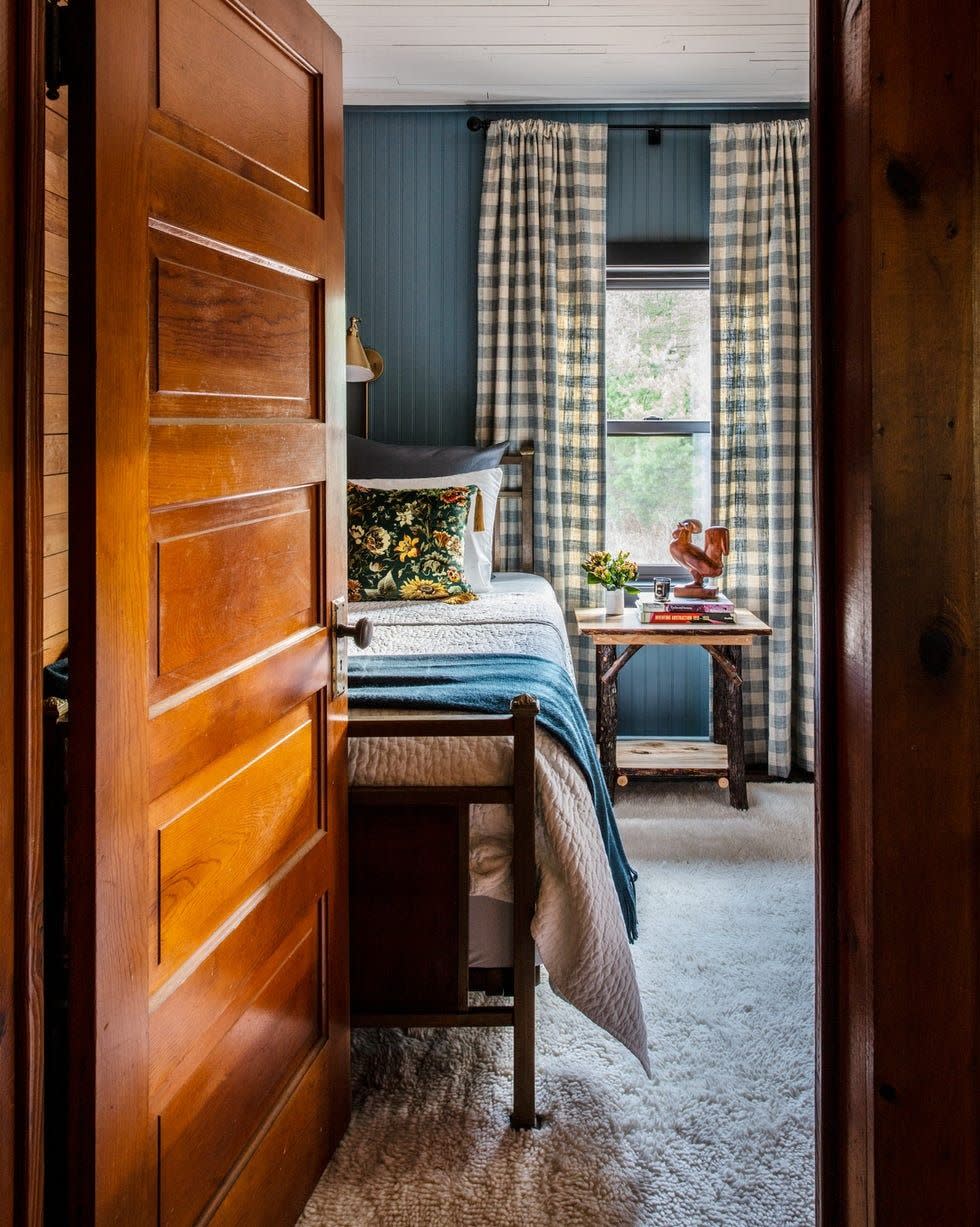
407, 545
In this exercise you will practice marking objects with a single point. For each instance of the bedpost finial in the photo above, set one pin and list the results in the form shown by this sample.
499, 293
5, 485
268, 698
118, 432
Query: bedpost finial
522, 704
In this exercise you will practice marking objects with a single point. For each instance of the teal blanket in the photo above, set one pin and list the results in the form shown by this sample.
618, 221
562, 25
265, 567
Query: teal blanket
488, 683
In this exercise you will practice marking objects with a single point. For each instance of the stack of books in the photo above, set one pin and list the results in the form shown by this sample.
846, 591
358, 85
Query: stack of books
686, 610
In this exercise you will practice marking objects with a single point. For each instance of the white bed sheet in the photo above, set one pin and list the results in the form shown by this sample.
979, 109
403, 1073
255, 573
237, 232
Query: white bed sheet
519, 614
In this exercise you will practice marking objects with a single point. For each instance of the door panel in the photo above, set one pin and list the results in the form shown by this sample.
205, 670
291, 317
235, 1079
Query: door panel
227, 830
193, 462
239, 703
235, 93
227, 327
258, 552
206, 1125
210, 503
188, 1019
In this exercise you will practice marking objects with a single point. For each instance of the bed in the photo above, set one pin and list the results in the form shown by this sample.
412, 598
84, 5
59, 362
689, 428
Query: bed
576, 924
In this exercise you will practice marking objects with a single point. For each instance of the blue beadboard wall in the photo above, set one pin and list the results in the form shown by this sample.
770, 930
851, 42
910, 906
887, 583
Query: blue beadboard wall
412, 202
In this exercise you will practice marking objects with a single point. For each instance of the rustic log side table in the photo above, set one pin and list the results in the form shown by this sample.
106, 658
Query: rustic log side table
725, 759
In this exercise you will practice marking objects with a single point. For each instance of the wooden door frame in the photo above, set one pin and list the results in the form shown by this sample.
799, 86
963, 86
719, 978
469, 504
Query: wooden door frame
843, 980
9, 1050
21, 467
896, 212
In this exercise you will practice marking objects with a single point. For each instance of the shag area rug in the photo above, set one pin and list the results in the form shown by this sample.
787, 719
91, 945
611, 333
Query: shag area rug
723, 1132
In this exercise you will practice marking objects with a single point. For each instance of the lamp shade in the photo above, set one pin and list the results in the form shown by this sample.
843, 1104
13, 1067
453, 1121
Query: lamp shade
358, 367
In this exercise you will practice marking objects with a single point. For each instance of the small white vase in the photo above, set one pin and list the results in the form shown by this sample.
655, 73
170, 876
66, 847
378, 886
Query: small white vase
615, 602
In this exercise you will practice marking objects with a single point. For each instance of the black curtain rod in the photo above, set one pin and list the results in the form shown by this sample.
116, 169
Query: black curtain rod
476, 123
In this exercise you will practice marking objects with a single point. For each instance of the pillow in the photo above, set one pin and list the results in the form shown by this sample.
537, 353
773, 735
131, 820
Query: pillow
478, 554
407, 544
366, 458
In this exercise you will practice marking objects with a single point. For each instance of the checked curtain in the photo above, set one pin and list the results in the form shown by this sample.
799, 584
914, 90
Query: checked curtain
761, 450
541, 323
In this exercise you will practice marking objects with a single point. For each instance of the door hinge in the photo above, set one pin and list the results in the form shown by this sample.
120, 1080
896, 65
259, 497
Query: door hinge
57, 47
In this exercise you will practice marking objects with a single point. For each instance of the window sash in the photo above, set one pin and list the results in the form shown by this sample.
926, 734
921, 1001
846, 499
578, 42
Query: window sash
657, 267
658, 426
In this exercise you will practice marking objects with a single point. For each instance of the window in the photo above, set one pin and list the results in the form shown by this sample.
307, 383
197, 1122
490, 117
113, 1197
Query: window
658, 400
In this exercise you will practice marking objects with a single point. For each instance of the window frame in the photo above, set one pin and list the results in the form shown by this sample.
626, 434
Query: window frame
657, 266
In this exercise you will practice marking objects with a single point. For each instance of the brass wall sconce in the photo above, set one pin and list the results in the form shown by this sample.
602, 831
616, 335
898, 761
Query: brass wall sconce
364, 365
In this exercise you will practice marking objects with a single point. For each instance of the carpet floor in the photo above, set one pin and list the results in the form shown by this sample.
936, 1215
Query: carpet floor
721, 1136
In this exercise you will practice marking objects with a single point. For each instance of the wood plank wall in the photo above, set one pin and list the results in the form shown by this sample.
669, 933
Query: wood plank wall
10, 877
56, 379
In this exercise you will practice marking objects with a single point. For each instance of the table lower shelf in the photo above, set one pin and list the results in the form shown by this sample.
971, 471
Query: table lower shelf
663, 759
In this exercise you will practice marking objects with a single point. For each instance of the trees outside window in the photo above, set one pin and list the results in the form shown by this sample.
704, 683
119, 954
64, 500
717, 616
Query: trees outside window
658, 407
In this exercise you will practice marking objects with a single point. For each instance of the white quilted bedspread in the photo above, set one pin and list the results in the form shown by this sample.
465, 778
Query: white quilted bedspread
578, 926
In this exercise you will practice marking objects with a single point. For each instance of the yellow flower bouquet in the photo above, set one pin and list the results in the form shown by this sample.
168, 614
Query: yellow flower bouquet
611, 571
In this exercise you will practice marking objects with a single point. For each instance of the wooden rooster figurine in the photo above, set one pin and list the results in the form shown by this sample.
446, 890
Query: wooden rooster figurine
701, 563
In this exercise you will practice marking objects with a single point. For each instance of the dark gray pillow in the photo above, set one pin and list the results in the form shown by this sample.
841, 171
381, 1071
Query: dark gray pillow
366, 458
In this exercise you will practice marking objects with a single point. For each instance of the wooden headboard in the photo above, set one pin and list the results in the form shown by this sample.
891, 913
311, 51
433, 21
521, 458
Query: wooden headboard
523, 461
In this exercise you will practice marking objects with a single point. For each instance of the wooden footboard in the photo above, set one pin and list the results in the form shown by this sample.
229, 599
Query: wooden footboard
409, 852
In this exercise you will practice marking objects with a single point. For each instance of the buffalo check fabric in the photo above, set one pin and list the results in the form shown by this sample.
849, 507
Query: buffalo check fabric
540, 352
761, 437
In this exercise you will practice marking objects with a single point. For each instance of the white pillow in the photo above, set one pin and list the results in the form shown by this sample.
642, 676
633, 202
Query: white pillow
478, 546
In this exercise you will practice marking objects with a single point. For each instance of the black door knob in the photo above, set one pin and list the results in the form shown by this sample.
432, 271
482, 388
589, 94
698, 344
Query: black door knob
361, 632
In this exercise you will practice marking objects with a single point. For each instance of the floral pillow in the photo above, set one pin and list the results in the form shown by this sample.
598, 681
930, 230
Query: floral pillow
407, 545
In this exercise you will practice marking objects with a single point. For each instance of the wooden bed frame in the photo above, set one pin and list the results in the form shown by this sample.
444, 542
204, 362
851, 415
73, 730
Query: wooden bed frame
409, 856
524, 491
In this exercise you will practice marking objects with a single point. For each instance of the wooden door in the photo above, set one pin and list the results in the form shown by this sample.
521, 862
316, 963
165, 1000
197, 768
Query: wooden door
208, 863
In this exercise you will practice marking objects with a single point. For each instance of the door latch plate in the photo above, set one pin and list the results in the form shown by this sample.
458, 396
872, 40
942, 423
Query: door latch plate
338, 648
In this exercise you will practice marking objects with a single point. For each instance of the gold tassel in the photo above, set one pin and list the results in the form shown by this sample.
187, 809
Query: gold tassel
479, 525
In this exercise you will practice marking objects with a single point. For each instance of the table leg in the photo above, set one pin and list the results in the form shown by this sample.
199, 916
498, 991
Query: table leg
719, 704
734, 732
606, 713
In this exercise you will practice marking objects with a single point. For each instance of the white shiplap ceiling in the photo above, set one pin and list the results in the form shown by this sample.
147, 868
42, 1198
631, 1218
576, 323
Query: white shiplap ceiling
568, 51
